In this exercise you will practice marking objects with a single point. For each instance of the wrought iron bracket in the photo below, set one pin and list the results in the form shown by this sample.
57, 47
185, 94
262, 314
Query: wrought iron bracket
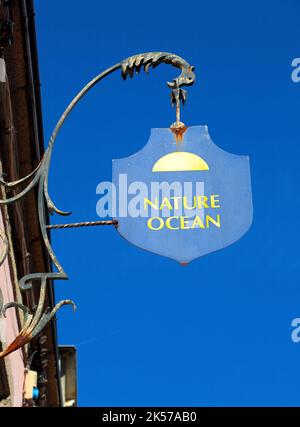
35, 322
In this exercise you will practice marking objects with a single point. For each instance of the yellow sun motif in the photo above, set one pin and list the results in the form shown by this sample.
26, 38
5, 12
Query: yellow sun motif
180, 161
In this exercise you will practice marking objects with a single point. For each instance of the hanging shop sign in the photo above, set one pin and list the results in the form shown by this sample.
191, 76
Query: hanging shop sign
181, 196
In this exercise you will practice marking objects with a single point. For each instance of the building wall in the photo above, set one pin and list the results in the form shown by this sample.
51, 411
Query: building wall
21, 149
9, 329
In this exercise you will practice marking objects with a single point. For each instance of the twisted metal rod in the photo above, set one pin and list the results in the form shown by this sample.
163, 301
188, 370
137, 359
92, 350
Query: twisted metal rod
83, 224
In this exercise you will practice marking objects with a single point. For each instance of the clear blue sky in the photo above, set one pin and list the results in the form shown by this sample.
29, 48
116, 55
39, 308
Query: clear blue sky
148, 331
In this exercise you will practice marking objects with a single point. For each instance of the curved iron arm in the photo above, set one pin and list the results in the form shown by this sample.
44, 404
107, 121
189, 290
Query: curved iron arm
34, 323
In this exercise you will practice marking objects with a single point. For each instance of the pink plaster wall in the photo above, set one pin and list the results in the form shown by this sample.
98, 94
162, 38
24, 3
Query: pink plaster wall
9, 330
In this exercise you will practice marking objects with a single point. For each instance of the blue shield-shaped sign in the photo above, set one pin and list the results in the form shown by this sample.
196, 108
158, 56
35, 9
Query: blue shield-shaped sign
182, 199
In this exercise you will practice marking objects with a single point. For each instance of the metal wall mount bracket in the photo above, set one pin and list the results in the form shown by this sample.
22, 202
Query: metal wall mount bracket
35, 322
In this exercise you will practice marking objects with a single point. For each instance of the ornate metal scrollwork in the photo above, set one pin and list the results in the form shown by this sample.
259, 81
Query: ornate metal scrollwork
34, 323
